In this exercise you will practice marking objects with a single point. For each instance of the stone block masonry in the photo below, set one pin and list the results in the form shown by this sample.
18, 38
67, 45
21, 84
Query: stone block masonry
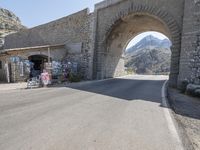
100, 37
190, 47
71, 30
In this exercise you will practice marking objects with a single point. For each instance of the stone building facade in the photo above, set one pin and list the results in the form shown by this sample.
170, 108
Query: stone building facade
190, 45
68, 38
96, 40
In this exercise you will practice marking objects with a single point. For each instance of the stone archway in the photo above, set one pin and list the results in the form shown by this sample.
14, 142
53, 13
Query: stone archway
127, 23
127, 28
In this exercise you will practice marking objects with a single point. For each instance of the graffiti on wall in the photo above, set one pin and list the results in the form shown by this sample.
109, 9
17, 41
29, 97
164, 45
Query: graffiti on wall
64, 68
23, 65
60, 70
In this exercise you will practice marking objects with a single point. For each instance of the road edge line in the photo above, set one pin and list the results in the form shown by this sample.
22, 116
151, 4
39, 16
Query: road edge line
171, 123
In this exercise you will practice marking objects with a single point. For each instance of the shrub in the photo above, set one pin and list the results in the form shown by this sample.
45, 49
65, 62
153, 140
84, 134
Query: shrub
130, 71
74, 78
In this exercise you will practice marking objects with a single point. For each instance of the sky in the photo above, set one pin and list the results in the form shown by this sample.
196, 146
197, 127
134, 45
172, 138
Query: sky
36, 12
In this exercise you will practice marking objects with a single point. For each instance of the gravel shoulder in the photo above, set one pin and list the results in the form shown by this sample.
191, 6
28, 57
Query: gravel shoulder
187, 113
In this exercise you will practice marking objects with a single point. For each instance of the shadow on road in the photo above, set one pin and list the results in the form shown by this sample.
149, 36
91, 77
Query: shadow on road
125, 89
132, 89
183, 104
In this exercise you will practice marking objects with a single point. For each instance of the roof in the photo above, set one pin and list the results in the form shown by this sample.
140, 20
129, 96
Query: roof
32, 48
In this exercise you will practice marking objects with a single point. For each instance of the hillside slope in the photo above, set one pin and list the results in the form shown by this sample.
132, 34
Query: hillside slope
149, 56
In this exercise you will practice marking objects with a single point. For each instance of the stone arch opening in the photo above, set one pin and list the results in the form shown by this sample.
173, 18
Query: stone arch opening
123, 28
148, 53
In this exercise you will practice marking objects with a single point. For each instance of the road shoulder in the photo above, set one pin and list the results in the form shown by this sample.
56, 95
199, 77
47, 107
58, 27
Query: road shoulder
12, 86
171, 121
186, 111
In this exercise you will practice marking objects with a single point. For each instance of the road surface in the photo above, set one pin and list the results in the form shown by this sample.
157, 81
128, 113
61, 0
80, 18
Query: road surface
117, 114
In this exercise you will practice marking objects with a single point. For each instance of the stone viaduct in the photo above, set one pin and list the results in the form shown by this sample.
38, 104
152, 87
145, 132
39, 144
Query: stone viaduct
104, 34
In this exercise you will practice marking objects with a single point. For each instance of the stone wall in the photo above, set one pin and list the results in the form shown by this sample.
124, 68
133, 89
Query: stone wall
111, 12
90, 41
71, 30
190, 48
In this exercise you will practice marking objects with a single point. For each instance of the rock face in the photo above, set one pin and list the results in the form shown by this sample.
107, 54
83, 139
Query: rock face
150, 41
149, 56
9, 23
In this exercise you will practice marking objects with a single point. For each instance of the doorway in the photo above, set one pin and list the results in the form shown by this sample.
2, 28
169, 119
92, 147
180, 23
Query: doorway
37, 64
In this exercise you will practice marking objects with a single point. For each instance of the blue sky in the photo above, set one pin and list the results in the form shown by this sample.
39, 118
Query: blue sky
36, 12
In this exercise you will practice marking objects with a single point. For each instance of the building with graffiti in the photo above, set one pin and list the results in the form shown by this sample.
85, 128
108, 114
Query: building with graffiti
55, 47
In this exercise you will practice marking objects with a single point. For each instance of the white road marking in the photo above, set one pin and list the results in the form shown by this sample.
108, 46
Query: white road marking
168, 116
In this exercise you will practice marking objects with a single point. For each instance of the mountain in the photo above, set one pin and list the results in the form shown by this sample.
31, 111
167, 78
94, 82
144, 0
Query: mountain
9, 23
149, 56
150, 41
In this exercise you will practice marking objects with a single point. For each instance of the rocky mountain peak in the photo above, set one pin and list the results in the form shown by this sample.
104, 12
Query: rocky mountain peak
8, 14
9, 23
150, 55
150, 41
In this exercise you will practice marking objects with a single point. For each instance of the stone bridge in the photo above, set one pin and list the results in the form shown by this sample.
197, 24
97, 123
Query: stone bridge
105, 33
119, 21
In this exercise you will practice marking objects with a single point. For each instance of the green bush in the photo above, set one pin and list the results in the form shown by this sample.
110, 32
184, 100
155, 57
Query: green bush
74, 78
130, 71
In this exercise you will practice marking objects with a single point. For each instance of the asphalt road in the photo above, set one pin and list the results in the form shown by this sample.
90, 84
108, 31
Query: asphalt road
118, 114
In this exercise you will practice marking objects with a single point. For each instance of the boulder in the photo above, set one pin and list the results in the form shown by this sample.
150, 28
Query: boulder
197, 92
193, 89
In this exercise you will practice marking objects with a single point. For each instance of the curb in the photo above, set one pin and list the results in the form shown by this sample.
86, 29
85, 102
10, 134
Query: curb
172, 124
186, 140
11, 87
